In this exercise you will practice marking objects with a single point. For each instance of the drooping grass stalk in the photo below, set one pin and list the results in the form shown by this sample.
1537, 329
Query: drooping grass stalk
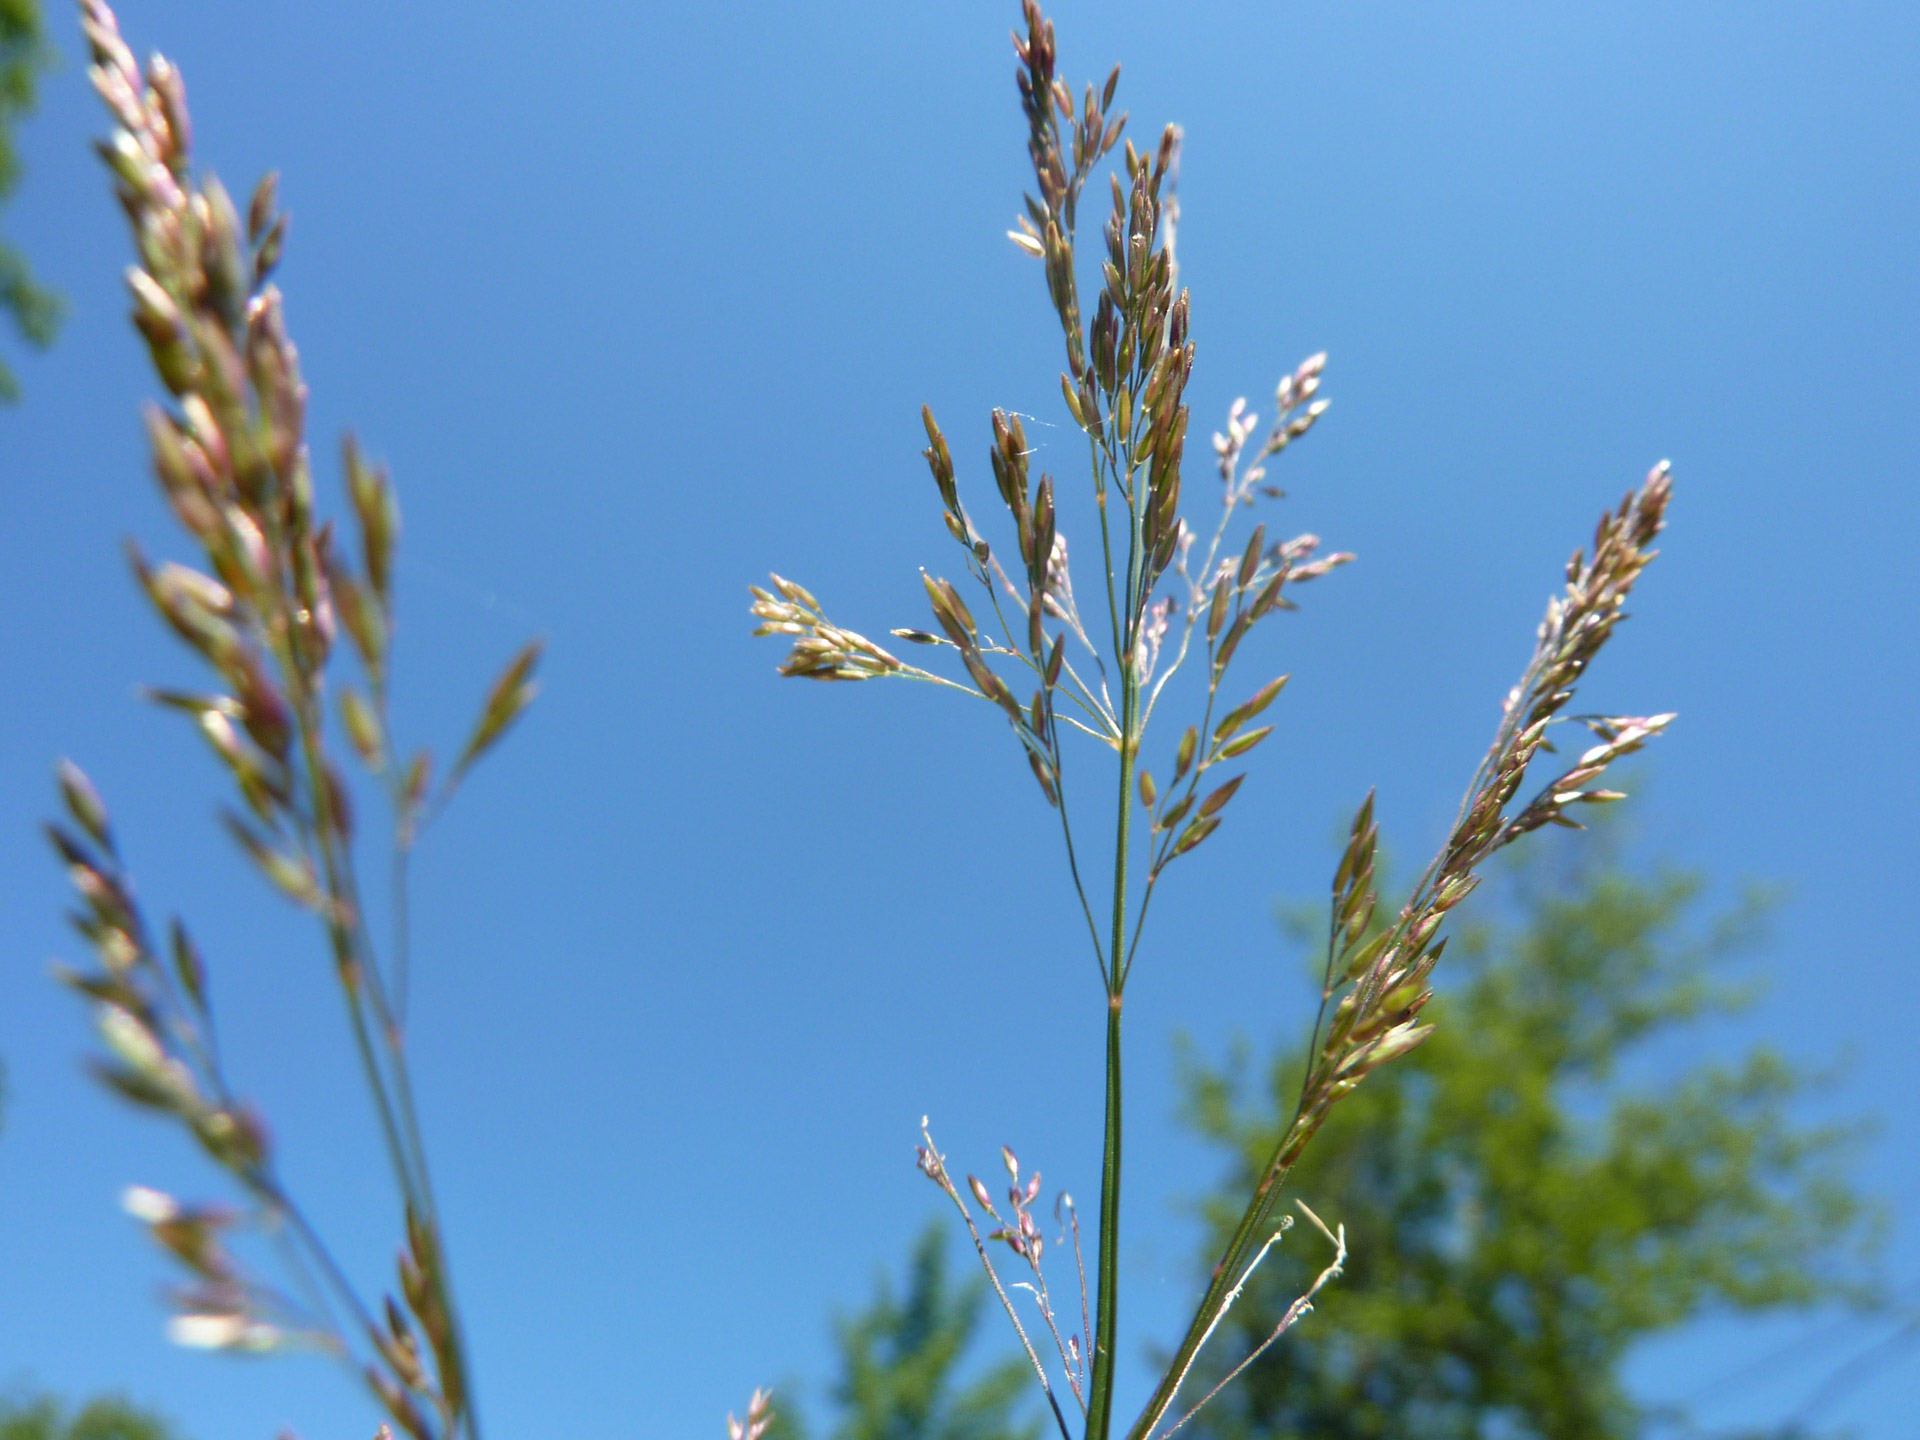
1124, 383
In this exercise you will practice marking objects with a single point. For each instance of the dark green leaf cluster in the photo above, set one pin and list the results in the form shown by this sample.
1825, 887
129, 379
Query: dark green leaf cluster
1519, 1211
111, 1418
902, 1363
23, 55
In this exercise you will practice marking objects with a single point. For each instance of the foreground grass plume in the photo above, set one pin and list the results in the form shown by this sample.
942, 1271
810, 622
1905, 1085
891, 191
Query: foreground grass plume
274, 590
1079, 695
292, 614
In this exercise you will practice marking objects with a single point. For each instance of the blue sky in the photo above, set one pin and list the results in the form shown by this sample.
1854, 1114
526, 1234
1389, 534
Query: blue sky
642, 301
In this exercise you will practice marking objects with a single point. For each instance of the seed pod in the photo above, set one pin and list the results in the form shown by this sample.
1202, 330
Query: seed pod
261, 210
1183, 761
1072, 397
267, 258
1235, 634
1043, 772
188, 965
1043, 533
379, 518
235, 1138
1217, 801
399, 1404
363, 729
1217, 608
1241, 744
951, 612
130, 1038
939, 458
1200, 829
1250, 561
419, 777
194, 605
1359, 960
1240, 714
1357, 915
228, 278
1390, 1046
183, 473
263, 711
339, 804
1174, 814
129, 163
83, 803
509, 697
290, 874
1269, 596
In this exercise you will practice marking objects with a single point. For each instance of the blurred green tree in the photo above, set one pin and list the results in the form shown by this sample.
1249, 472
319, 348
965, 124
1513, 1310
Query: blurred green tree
901, 1365
44, 1418
1520, 1209
23, 56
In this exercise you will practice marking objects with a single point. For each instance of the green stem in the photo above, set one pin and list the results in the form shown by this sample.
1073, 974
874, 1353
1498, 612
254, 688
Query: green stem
1073, 859
361, 985
442, 1276
1100, 1400
352, 968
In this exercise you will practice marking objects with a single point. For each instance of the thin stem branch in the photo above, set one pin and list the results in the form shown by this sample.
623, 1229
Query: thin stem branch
1038, 1289
1094, 444
268, 1190
402, 924
1319, 1015
913, 672
1080, 1266
1006, 1301
1295, 1311
1096, 701
1073, 860
1226, 1305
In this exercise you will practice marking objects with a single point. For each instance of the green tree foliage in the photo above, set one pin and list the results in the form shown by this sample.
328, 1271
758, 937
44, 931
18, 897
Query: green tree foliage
44, 1418
1519, 1210
23, 55
900, 1365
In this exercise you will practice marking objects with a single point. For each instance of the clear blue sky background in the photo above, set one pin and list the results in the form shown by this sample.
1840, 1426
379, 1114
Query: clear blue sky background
641, 301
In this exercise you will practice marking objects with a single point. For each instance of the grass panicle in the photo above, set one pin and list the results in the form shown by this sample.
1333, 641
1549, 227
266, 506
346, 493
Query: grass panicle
1181, 596
272, 593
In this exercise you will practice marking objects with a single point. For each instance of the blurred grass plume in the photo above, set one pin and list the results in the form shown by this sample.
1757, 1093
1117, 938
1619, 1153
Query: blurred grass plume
292, 614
